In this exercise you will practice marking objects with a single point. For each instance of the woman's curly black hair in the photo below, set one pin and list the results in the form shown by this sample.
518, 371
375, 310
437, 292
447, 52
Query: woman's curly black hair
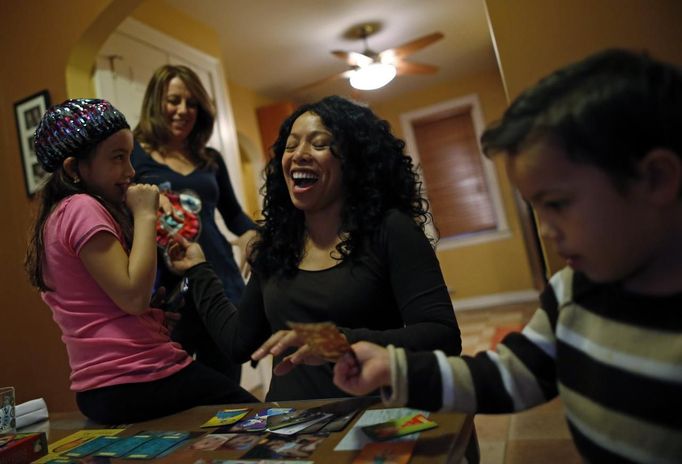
377, 176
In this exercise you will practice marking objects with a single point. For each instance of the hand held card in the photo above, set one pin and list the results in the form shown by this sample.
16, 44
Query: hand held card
324, 339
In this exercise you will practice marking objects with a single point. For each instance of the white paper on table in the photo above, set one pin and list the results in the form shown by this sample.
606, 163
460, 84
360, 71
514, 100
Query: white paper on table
292, 429
356, 439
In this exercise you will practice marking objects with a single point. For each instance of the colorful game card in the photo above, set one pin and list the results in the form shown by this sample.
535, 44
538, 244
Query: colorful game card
296, 417
239, 441
277, 447
7, 410
210, 442
226, 417
324, 339
75, 439
258, 423
399, 427
120, 446
86, 449
385, 453
160, 443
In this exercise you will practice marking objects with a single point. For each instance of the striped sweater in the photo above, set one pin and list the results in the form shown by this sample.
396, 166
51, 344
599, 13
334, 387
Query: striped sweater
615, 358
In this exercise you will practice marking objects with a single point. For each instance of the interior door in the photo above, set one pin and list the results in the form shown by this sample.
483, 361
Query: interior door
125, 63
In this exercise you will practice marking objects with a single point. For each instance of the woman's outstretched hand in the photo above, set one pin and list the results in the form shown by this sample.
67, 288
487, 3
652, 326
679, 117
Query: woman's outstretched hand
183, 254
364, 373
281, 341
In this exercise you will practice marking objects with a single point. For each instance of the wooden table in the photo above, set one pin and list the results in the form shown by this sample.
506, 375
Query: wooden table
445, 443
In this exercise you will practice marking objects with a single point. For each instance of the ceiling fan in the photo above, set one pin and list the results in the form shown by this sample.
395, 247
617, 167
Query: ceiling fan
371, 70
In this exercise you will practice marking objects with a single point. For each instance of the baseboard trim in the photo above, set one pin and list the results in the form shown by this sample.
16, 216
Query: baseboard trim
496, 299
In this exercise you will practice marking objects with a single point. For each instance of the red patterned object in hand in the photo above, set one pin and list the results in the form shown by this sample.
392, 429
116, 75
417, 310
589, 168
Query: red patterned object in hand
183, 219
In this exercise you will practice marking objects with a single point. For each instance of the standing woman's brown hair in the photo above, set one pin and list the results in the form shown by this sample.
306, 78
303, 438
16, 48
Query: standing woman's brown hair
153, 132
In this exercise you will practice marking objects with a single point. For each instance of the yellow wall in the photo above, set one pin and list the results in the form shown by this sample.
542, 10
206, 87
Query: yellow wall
156, 14
38, 40
534, 37
44, 48
244, 102
493, 267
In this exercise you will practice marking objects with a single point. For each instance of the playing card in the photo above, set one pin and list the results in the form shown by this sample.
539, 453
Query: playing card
7, 410
324, 339
90, 447
157, 445
399, 427
258, 423
226, 417
120, 446
385, 453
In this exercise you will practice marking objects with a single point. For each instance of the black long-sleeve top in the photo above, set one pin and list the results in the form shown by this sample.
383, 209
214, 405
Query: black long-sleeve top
392, 293
212, 184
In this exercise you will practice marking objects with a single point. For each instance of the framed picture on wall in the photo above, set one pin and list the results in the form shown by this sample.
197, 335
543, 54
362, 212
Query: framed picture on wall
27, 114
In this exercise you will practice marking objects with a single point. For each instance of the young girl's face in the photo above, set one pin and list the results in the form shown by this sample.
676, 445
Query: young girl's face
107, 172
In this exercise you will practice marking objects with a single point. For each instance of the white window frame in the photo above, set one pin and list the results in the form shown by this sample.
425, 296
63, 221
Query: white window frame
489, 172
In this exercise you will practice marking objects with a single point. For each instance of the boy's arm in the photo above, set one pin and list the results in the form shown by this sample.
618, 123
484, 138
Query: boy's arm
519, 374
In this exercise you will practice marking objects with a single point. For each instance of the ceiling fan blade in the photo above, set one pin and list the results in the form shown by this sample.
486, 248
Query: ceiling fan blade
411, 46
333, 77
408, 67
353, 58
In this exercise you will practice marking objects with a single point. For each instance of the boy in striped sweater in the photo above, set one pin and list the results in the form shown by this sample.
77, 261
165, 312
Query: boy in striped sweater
596, 148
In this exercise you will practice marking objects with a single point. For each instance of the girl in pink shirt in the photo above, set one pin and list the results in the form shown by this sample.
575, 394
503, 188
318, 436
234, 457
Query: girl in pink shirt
93, 257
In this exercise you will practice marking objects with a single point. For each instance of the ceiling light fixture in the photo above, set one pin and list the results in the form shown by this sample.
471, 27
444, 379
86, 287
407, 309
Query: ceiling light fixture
372, 76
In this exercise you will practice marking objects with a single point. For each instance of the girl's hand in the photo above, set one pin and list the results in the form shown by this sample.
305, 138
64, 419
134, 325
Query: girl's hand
143, 198
183, 254
374, 370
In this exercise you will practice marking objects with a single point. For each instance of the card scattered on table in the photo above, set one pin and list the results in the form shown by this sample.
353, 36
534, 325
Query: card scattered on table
226, 417
276, 447
398, 452
258, 423
160, 444
399, 427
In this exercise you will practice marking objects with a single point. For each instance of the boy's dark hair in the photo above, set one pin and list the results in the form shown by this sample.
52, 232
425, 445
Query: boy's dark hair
609, 110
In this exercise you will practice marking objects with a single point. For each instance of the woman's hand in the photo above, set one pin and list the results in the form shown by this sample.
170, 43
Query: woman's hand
183, 254
372, 372
165, 204
281, 341
245, 244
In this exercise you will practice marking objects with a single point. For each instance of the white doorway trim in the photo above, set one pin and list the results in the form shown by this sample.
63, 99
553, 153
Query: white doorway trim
225, 126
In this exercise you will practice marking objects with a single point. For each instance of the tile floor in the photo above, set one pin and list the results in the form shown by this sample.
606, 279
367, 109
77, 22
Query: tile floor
537, 436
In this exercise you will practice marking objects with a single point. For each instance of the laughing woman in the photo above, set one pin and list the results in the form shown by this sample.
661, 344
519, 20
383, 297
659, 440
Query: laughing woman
343, 241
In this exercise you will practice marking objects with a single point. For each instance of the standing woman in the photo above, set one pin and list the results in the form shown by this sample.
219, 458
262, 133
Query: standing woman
176, 122
343, 241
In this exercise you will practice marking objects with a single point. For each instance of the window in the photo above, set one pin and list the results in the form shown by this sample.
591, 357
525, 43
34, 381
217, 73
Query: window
460, 182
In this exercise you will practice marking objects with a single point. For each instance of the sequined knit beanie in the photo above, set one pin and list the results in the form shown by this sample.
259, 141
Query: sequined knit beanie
73, 126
